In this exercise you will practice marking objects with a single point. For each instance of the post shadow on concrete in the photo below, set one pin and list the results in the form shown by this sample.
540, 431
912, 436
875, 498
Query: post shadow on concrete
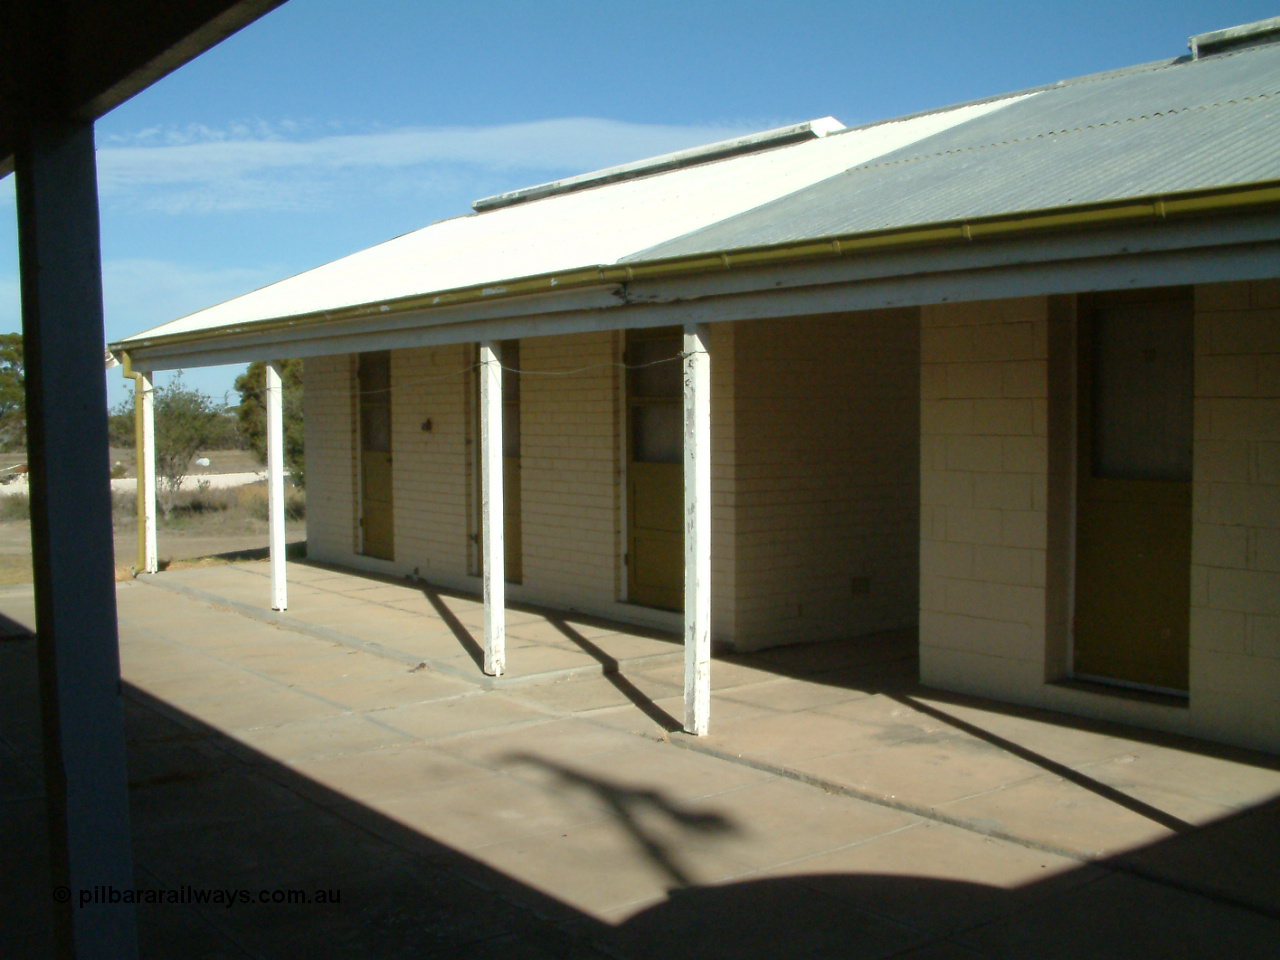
883, 663
612, 669
473, 648
211, 814
294, 551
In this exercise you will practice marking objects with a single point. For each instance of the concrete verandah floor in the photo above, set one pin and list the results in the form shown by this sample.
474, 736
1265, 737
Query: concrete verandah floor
837, 810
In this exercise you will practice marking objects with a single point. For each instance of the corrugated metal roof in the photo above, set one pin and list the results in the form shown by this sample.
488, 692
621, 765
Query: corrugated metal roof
571, 231
1159, 128
1182, 125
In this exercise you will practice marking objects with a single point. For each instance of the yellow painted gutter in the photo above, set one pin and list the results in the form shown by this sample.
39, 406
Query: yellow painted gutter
1106, 214
140, 464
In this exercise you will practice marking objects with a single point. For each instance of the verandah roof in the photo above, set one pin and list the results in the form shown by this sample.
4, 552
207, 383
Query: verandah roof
596, 226
1158, 129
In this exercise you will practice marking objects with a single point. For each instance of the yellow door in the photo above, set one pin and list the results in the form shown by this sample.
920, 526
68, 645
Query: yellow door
655, 469
377, 516
1133, 519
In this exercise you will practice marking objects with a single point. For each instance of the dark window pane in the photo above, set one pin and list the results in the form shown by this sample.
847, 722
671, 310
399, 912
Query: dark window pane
661, 379
1142, 394
375, 372
375, 427
375, 401
657, 432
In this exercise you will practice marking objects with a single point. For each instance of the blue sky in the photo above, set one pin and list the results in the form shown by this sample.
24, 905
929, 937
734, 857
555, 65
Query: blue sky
331, 125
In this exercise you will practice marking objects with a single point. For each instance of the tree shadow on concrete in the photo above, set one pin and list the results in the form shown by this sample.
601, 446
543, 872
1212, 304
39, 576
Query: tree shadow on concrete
883, 663
631, 806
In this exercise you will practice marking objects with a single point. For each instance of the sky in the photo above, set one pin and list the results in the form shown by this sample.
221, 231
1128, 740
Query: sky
331, 125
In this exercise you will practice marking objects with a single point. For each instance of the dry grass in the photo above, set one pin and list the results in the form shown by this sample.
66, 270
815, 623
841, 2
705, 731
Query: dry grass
202, 528
15, 569
244, 503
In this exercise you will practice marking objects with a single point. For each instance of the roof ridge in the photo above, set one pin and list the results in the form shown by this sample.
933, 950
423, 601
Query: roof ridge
1150, 66
1158, 114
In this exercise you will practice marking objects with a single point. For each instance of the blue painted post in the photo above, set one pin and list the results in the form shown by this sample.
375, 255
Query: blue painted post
84, 747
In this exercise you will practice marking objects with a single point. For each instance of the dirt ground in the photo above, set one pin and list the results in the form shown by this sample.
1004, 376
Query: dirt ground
184, 541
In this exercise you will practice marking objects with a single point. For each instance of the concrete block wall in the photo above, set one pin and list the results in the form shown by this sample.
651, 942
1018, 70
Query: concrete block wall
570, 468
824, 482
330, 435
432, 482
1235, 600
814, 475
984, 476
572, 465
432, 479
997, 434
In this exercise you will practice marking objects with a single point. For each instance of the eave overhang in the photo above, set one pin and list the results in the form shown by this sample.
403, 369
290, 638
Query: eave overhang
1211, 218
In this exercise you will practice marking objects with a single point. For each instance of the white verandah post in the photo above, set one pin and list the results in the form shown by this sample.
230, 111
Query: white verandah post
492, 534
145, 453
275, 484
697, 530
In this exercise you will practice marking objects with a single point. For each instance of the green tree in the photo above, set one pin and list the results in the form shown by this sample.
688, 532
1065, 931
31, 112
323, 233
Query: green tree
13, 401
120, 423
252, 414
187, 421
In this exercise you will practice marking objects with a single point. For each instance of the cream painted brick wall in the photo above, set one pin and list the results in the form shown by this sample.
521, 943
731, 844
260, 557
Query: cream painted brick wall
824, 480
569, 466
431, 478
572, 511
1235, 642
329, 429
433, 489
983, 491
572, 469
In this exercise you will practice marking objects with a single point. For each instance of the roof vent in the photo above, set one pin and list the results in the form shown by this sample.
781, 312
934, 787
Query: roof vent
752, 143
1233, 38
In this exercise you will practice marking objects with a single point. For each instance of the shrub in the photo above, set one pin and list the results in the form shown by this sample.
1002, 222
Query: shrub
190, 503
187, 421
254, 502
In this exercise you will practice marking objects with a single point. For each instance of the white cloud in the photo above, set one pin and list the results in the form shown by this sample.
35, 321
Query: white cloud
294, 165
